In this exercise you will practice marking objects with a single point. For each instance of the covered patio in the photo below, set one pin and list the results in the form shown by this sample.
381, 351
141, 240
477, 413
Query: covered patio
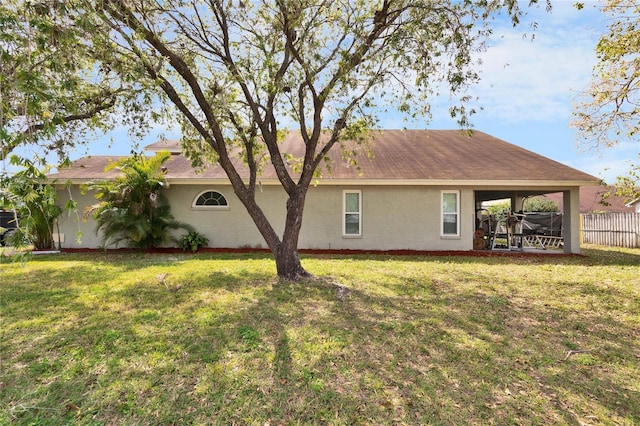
511, 233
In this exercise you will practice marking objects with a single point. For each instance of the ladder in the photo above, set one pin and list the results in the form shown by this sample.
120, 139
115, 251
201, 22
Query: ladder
543, 241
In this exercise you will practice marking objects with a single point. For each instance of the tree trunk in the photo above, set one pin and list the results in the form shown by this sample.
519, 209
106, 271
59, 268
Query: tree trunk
285, 250
288, 263
286, 254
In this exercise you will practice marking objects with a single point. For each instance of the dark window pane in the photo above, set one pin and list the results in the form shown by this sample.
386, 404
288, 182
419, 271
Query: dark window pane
450, 224
352, 224
211, 198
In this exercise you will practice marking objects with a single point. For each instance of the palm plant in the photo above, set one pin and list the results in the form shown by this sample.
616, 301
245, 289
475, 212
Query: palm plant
132, 208
34, 203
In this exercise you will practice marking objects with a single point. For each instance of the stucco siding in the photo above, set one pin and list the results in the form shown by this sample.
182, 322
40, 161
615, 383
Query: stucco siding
393, 218
77, 231
227, 228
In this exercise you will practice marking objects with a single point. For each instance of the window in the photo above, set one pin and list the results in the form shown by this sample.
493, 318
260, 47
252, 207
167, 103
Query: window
210, 200
450, 214
351, 213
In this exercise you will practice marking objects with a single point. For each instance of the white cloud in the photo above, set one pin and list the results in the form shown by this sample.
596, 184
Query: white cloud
609, 163
525, 79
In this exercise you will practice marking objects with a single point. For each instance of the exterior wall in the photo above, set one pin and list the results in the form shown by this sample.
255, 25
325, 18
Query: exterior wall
76, 231
227, 228
393, 218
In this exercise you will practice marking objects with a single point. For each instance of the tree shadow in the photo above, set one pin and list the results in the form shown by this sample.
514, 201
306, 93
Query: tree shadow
490, 355
243, 345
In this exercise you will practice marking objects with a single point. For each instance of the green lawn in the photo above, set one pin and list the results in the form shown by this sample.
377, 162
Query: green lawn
99, 339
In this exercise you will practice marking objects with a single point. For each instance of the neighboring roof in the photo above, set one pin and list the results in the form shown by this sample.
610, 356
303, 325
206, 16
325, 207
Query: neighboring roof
174, 146
590, 200
397, 156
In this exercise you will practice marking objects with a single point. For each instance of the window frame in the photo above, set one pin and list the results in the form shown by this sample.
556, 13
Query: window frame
345, 213
194, 206
444, 234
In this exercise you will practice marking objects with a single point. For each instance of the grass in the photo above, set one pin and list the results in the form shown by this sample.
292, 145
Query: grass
98, 339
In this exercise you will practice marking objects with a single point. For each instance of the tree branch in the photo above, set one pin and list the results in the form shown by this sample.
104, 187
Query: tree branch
98, 107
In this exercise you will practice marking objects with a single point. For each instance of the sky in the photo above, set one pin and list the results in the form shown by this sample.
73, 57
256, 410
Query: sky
527, 92
529, 88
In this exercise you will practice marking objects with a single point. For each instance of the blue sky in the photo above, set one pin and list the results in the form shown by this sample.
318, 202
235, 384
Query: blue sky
529, 87
527, 91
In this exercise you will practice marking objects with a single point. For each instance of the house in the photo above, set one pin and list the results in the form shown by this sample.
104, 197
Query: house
591, 200
414, 190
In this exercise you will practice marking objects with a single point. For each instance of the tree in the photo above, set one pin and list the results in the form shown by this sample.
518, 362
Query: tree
52, 90
539, 204
34, 204
535, 204
241, 73
610, 109
132, 207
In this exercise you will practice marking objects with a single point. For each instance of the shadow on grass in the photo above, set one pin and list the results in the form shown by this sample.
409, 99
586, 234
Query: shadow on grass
453, 358
466, 358
240, 347
613, 256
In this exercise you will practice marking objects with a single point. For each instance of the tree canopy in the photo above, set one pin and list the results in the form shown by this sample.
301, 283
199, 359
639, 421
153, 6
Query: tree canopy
609, 110
53, 88
241, 73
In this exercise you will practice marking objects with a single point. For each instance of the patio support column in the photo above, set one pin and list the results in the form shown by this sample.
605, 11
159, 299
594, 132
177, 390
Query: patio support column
571, 220
517, 203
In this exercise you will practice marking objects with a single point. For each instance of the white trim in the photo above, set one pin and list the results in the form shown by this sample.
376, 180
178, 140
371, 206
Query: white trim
345, 212
552, 185
555, 185
632, 202
442, 213
215, 207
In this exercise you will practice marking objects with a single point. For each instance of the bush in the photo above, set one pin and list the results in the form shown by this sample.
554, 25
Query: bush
132, 207
536, 204
192, 241
539, 204
34, 203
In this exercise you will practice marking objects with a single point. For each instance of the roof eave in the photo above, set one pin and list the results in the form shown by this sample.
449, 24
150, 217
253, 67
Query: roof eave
367, 182
402, 182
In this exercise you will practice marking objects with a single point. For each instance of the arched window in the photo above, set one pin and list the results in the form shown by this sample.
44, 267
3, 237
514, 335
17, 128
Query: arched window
210, 200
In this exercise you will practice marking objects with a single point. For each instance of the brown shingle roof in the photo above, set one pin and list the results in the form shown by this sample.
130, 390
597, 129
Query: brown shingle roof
590, 197
396, 155
87, 168
172, 145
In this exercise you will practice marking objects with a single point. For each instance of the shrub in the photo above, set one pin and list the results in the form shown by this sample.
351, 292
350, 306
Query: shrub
192, 241
536, 204
34, 203
132, 207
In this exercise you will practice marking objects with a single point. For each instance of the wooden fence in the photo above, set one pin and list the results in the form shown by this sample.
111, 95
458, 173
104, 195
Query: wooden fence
611, 229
